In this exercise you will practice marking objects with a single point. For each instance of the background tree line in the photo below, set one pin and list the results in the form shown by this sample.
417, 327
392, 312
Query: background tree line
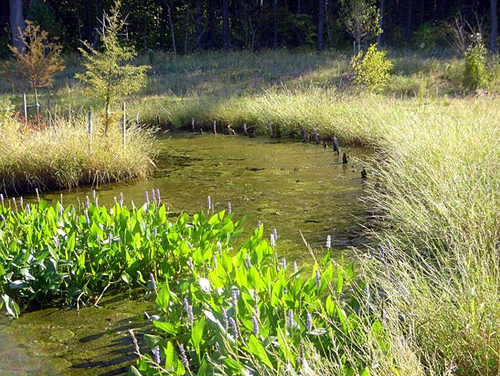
186, 26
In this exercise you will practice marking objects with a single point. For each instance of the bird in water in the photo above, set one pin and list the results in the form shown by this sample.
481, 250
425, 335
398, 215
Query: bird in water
336, 145
344, 158
201, 129
364, 174
230, 130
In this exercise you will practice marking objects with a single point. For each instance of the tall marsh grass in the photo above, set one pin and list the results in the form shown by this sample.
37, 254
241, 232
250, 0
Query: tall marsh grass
62, 156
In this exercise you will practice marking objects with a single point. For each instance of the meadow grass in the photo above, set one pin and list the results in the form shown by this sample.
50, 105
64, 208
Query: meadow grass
62, 156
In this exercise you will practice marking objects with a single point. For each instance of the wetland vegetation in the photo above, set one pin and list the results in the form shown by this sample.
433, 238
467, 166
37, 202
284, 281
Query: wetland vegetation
416, 293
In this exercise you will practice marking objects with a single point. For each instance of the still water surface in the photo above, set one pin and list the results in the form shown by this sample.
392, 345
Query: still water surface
289, 186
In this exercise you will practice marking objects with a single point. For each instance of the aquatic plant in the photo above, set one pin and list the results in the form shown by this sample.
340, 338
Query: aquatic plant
255, 320
50, 253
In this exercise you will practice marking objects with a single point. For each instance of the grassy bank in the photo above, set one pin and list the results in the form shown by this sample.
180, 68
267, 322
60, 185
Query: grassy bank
62, 156
435, 198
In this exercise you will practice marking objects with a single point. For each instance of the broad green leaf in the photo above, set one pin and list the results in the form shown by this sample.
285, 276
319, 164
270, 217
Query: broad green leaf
166, 327
258, 350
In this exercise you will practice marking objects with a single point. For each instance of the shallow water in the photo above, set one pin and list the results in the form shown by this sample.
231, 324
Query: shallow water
289, 186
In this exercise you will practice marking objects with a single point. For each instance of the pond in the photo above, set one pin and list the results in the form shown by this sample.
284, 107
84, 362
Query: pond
294, 187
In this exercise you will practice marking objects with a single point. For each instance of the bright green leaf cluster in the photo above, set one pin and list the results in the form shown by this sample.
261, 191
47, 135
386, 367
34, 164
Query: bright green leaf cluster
109, 78
371, 69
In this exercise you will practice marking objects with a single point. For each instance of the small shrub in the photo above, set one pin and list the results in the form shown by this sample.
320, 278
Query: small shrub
370, 69
6, 111
475, 75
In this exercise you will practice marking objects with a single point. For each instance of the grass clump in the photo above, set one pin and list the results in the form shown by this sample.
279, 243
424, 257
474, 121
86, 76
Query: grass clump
62, 156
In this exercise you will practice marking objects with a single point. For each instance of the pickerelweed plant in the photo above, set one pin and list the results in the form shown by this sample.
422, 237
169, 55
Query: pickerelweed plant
246, 312
66, 254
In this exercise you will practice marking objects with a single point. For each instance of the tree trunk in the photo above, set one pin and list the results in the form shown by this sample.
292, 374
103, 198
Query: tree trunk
225, 24
321, 24
198, 24
275, 24
17, 24
211, 23
494, 26
381, 23
408, 21
89, 21
172, 32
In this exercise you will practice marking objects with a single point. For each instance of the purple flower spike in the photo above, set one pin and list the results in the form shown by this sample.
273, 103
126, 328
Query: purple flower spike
209, 203
190, 315
225, 319
275, 233
309, 324
153, 281
248, 263
329, 241
318, 279
183, 356
185, 305
290, 322
158, 196
147, 197
229, 208
87, 202
234, 297
121, 200
255, 324
153, 195
273, 240
234, 328
2, 198
156, 354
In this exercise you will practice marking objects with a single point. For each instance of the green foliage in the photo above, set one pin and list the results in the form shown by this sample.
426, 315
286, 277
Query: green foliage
361, 19
475, 75
428, 37
6, 111
105, 71
371, 69
52, 252
35, 67
250, 313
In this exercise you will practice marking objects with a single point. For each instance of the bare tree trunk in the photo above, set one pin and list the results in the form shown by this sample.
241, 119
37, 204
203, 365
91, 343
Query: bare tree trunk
17, 24
494, 26
171, 28
186, 35
198, 24
211, 24
89, 21
381, 23
275, 24
408, 21
321, 24
225, 24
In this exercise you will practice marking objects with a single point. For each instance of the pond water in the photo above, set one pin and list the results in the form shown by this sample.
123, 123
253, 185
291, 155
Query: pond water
293, 187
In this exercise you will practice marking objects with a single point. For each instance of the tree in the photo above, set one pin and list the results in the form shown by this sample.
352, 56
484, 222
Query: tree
321, 24
105, 70
16, 23
198, 24
35, 64
494, 25
381, 23
225, 24
361, 19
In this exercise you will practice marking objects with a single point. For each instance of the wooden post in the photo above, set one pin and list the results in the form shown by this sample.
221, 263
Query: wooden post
25, 108
48, 112
215, 126
90, 125
124, 125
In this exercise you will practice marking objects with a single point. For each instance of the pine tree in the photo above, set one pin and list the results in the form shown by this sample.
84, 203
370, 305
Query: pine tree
105, 70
